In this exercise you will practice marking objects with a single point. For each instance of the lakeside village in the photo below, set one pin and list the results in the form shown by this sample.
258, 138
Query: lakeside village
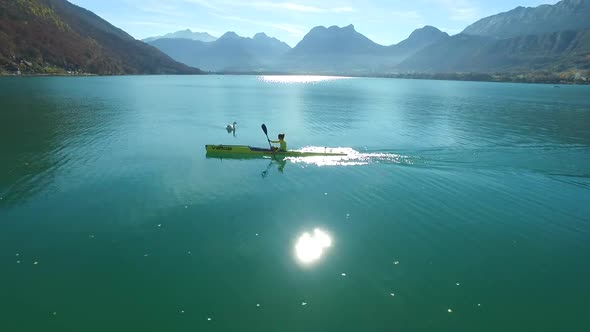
17, 66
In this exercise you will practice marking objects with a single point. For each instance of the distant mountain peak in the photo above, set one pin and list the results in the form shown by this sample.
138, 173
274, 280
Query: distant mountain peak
336, 40
317, 29
422, 37
229, 35
333, 30
349, 27
230, 52
427, 29
260, 35
185, 34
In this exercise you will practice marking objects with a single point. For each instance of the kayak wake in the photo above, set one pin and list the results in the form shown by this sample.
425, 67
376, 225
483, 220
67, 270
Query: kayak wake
349, 157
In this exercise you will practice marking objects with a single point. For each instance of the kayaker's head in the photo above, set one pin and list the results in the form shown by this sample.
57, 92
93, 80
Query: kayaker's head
281, 137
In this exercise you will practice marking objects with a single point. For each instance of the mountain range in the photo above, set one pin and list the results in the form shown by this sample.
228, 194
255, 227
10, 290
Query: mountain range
564, 15
556, 51
547, 37
322, 50
185, 34
344, 50
228, 53
55, 36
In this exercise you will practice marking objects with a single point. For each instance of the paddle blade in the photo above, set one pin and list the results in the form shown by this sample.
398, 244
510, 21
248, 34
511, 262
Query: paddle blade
266, 133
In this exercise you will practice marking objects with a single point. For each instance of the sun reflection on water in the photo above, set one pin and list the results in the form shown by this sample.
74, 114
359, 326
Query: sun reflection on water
310, 247
299, 78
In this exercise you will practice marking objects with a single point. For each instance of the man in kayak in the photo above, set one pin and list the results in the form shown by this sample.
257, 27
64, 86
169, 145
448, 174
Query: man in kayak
282, 142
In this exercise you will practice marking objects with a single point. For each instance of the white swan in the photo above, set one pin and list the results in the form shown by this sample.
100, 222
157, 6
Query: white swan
231, 127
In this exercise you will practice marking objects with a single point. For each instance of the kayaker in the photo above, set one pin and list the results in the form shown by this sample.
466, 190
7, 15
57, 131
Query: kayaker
282, 142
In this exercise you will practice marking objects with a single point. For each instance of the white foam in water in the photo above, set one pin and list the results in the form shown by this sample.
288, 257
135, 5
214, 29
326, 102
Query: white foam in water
351, 157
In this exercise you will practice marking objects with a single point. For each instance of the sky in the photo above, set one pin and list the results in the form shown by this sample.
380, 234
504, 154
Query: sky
385, 22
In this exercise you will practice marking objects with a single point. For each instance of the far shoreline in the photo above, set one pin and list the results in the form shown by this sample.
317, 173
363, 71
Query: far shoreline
525, 78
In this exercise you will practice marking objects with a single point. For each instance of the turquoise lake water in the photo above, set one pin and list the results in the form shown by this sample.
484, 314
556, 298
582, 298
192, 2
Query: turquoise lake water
462, 206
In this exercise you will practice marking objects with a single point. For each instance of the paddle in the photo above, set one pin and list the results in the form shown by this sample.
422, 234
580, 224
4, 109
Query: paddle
268, 139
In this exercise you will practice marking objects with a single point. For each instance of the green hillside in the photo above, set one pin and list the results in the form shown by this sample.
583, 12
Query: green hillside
54, 36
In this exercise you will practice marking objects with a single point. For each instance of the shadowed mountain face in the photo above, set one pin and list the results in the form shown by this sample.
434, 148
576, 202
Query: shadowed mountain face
334, 40
183, 50
565, 15
332, 50
185, 34
557, 51
53, 36
545, 38
344, 50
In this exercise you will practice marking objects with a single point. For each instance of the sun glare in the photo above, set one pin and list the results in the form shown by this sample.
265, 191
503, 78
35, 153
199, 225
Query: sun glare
299, 78
310, 247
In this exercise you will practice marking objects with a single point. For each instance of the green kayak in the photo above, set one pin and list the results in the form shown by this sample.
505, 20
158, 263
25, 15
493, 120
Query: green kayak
244, 150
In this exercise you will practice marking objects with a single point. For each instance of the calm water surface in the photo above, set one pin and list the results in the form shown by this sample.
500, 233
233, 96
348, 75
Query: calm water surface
462, 206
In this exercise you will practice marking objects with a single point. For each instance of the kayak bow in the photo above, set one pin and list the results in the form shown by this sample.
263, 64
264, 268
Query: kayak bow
253, 151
